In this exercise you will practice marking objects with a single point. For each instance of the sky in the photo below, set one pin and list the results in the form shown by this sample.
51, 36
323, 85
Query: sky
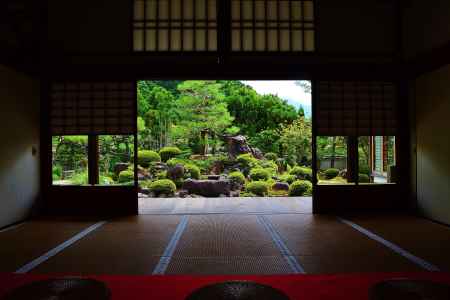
285, 89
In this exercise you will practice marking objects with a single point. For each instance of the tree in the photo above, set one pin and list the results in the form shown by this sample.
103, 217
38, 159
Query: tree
202, 109
305, 85
296, 141
254, 113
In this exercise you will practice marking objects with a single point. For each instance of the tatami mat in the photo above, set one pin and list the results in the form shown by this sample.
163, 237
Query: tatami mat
30, 240
226, 265
125, 246
421, 237
225, 235
324, 245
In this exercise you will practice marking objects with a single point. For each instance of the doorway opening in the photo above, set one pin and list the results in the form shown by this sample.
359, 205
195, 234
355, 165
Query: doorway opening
224, 146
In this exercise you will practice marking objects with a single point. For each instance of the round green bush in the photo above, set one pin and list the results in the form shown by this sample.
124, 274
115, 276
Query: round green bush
301, 172
271, 156
247, 160
167, 153
236, 178
191, 171
174, 161
259, 174
126, 176
288, 178
258, 188
363, 178
146, 157
331, 173
300, 188
165, 186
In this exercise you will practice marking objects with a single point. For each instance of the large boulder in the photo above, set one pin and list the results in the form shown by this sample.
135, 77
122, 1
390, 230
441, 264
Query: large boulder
280, 186
237, 145
176, 172
207, 188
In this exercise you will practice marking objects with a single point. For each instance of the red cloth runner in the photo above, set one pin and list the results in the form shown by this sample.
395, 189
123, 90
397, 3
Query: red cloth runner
297, 287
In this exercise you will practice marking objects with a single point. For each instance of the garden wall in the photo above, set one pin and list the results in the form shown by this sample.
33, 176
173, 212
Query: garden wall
19, 166
432, 97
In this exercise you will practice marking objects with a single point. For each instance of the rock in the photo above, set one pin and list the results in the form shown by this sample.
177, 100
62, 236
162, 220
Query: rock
140, 195
196, 196
280, 186
160, 166
213, 177
162, 195
235, 193
119, 167
145, 191
207, 188
343, 173
257, 153
217, 168
176, 172
237, 145
183, 193
151, 195
224, 196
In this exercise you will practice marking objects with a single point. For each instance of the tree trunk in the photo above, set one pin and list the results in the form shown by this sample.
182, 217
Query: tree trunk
333, 152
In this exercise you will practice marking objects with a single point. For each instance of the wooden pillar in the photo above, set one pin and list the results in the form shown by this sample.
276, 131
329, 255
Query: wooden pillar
93, 158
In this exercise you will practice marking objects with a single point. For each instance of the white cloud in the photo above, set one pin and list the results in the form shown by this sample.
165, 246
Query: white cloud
285, 89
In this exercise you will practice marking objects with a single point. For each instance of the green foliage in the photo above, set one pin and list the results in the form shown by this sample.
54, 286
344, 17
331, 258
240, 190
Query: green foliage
271, 156
236, 178
258, 188
167, 153
79, 178
247, 194
254, 113
301, 172
259, 174
288, 178
296, 141
247, 161
331, 173
269, 165
191, 171
300, 188
126, 176
165, 186
266, 140
56, 172
146, 157
105, 180
363, 178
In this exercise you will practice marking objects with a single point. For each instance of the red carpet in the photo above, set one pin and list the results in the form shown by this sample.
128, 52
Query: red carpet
297, 287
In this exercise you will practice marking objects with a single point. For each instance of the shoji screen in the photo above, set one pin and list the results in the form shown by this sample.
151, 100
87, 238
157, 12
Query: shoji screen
82, 108
272, 25
356, 108
175, 25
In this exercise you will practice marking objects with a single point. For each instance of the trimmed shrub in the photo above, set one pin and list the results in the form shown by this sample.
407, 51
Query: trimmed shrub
247, 160
146, 157
363, 178
174, 161
271, 156
126, 176
191, 171
247, 194
259, 174
165, 186
236, 178
167, 153
302, 173
161, 175
56, 172
300, 188
258, 188
331, 173
288, 178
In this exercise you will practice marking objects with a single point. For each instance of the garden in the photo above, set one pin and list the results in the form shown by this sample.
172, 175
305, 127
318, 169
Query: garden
212, 139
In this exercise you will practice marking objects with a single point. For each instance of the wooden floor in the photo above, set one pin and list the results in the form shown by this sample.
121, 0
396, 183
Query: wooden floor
227, 243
